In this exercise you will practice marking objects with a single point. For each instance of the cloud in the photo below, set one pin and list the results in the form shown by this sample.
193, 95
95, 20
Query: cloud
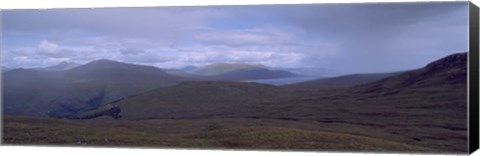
159, 23
385, 36
345, 37
131, 51
51, 49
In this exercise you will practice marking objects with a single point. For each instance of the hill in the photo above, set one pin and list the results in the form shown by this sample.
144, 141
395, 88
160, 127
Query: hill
66, 93
231, 72
59, 67
451, 71
5, 69
341, 81
421, 107
198, 100
435, 80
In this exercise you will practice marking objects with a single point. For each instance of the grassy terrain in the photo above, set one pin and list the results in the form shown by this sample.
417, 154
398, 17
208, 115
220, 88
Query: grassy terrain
422, 110
341, 81
212, 133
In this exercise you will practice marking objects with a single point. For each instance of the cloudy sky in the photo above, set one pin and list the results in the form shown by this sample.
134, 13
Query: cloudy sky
348, 38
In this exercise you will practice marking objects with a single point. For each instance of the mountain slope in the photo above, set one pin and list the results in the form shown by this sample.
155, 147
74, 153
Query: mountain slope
59, 67
198, 100
5, 69
66, 93
451, 70
231, 72
342, 81
422, 107
193, 99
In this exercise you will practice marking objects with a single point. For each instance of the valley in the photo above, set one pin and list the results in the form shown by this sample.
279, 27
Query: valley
422, 110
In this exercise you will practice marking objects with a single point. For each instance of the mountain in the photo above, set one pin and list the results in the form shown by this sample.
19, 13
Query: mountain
342, 81
118, 72
450, 70
180, 72
5, 69
422, 107
59, 67
199, 99
188, 69
416, 110
66, 93
222, 68
231, 72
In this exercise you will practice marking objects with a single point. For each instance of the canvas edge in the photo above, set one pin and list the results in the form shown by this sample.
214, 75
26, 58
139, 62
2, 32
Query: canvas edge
473, 79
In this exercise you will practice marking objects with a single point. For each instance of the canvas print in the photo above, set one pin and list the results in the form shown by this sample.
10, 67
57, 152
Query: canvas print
373, 77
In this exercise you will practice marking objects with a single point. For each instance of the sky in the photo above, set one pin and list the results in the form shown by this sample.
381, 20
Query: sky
348, 38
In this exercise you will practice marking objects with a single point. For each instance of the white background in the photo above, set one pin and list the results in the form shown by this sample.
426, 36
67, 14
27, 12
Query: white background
74, 151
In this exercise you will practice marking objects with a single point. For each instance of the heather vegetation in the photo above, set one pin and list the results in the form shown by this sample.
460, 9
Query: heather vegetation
118, 104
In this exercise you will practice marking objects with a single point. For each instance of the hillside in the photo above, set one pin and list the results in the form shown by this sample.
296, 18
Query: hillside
417, 107
197, 97
60, 66
250, 134
5, 69
450, 71
230, 72
199, 100
236, 72
66, 93
341, 81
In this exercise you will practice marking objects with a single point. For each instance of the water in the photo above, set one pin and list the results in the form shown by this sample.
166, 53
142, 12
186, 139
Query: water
283, 81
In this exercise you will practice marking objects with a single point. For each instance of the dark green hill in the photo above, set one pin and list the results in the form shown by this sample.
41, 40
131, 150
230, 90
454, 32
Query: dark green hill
237, 72
448, 71
66, 93
237, 99
200, 100
341, 81
422, 107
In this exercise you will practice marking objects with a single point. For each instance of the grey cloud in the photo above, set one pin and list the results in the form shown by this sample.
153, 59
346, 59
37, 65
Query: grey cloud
131, 51
165, 22
385, 37
348, 37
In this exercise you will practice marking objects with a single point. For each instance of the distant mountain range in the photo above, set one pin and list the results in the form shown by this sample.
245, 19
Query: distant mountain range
142, 92
67, 92
421, 107
444, 79
5, 69
59, 67
231, 72
67, 89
